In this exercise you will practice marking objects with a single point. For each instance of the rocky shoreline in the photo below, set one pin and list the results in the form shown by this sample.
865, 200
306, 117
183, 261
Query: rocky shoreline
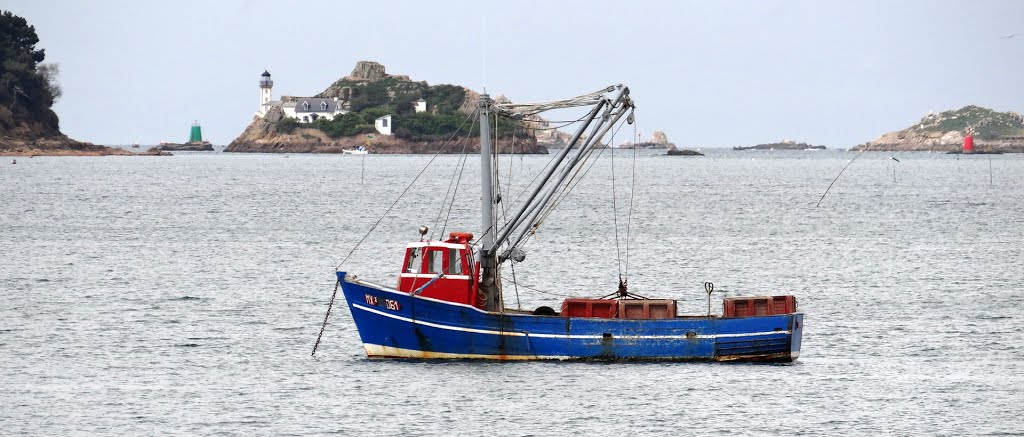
192, 146
56, 145
945, 131
262, 136
949, 142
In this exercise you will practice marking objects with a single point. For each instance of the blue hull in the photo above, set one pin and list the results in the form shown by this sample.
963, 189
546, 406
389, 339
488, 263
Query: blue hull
399, 325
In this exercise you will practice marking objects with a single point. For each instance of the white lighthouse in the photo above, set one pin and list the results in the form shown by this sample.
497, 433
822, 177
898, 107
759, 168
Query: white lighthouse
265, 86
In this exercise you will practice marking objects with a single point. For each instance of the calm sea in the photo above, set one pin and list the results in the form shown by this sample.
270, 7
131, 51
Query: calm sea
182, 295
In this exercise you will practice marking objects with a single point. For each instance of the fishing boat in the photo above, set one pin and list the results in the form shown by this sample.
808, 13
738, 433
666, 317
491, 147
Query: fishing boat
448, 304
357, 151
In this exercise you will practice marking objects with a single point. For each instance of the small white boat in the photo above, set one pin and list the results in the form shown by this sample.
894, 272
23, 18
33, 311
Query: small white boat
357, 151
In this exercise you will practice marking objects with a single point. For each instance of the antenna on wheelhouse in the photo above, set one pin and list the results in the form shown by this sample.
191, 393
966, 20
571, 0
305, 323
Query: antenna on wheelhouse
483, 58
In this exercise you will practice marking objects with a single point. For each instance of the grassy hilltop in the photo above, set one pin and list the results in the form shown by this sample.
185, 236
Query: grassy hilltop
945, 131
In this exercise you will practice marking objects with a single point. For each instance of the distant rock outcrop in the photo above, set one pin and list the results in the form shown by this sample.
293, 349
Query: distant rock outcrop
658, 141
546, 135
367, 71
673, 151
155, 151
782, 145
659, 137
944, 132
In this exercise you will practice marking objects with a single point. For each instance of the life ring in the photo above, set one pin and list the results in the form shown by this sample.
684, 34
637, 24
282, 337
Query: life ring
460, 237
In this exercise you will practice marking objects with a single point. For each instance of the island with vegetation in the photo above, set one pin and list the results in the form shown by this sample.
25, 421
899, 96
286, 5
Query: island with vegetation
781, 145
944, 132
28, 89
368, 94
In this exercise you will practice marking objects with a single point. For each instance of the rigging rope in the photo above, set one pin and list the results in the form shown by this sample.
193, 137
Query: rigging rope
462, 158
566, 123
525, 109
508, 182
515, 284
632, 191
495, 181
569, 185
465, 158
541, 291
575, 179
615, 211
524, 191
406, 190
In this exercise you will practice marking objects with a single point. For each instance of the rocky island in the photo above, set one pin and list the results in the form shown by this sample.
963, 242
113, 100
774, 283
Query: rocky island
195, 142
782, 145
944, 132
673, 151
658, 141
381, 112
28, 125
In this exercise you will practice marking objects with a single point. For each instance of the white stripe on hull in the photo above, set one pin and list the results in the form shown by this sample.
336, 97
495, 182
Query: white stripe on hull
565, 336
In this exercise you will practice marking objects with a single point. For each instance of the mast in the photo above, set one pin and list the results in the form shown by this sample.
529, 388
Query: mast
488, 257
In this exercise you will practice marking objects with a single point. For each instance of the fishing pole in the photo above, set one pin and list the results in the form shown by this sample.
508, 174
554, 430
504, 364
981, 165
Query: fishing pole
894, 168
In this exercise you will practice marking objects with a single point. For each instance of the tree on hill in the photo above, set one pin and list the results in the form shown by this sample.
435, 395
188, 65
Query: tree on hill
986, 123
372, 97
28, 88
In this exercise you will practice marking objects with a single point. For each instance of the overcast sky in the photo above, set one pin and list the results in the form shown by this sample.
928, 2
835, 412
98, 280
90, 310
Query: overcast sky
707, 73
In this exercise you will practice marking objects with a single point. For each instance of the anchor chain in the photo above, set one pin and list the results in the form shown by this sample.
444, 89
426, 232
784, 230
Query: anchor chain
329, 306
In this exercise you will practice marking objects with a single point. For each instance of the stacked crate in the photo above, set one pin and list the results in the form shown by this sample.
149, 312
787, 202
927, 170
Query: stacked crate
647, 309
747, 306
604, 308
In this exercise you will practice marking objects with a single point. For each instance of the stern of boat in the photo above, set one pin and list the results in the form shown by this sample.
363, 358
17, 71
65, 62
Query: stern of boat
797, 335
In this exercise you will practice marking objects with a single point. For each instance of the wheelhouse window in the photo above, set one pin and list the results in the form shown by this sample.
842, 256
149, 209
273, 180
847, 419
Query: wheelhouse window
415, 260
454, 263
435, 261
470, 260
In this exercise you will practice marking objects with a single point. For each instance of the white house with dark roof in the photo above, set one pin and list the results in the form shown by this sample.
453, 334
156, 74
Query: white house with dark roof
421, 105
303, 109
309, 109
383, 124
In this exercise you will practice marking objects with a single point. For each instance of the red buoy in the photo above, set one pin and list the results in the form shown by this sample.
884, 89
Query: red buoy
968, 143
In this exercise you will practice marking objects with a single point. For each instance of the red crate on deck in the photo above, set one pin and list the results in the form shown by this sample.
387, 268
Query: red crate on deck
647, 309
747, 306
605, 308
